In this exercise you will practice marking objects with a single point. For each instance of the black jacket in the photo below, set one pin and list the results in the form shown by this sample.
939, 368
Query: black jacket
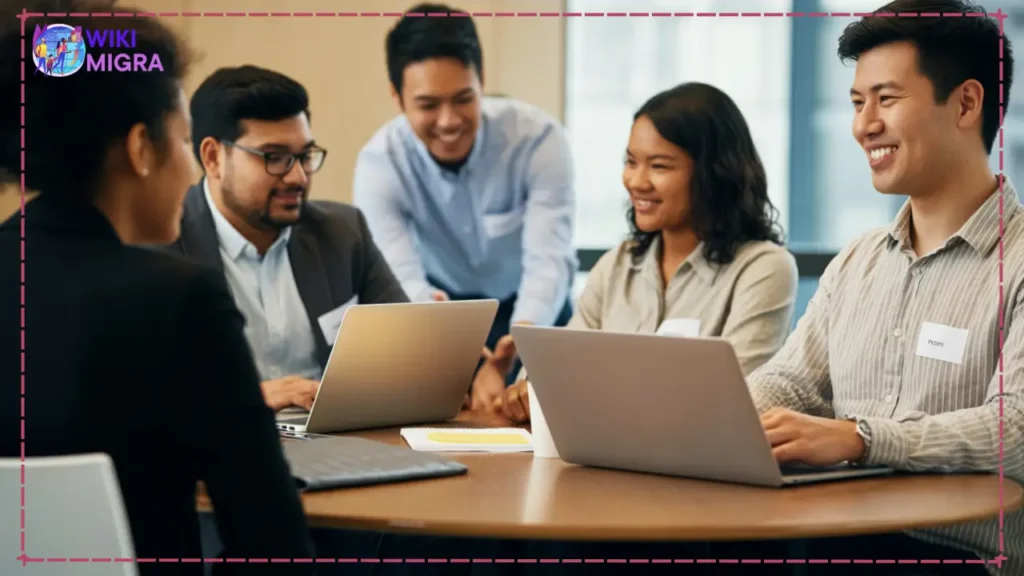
332, 255
141, 355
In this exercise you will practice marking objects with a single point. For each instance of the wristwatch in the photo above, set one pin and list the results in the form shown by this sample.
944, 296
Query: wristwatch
864, 431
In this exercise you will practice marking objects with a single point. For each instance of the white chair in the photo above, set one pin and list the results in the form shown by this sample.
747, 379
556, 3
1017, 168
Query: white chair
73, 509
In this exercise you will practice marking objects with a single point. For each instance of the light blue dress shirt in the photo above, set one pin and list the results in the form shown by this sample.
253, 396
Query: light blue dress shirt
502, 225
276, 324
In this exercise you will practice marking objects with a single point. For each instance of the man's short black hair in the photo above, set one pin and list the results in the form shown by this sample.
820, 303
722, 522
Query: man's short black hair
72, 122
951, 50
231, 95
424, 37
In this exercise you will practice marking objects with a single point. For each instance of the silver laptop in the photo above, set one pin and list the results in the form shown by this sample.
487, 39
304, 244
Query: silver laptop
659, 404
397, 364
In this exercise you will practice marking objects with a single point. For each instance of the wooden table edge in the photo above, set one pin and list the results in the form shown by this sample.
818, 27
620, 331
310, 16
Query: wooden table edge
606, 534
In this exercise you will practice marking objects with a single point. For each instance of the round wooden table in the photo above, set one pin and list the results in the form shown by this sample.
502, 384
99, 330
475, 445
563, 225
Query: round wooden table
519, 496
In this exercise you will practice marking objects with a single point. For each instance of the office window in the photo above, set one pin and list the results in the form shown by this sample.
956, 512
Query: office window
1013, 122
615, 64
839, 202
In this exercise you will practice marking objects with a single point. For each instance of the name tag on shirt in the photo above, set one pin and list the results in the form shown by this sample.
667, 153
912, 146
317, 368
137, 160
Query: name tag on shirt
942, 342
331, 321
680, 328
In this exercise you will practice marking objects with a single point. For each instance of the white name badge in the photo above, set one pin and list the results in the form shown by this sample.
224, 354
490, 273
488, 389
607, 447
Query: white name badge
680, 328
331, 321
942, 342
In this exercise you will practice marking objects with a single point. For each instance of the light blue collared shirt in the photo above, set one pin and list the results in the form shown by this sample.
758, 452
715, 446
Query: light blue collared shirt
276, 324
502, 225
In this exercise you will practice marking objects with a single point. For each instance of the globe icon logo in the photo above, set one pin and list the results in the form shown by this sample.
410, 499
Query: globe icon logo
58, 50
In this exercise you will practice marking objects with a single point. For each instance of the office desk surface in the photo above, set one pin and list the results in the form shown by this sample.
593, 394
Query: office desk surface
518, 496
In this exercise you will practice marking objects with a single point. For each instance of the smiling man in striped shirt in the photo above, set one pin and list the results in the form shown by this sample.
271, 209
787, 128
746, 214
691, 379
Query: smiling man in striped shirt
896, 361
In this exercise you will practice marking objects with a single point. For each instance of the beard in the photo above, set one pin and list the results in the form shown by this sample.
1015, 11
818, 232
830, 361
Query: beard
262, 218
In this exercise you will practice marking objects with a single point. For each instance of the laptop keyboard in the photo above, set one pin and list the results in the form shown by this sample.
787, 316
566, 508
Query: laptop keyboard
300, 421
331, 462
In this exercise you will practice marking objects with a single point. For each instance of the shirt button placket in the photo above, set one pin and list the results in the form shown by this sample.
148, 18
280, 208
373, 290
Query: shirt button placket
892, 388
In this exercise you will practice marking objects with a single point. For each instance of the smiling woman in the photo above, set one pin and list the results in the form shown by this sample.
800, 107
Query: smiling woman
705, 258
692, 171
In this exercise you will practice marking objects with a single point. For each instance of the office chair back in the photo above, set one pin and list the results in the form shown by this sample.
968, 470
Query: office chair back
73, 514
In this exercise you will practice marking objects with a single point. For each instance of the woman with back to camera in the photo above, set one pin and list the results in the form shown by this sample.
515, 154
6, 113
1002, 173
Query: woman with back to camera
705, 255
129, 351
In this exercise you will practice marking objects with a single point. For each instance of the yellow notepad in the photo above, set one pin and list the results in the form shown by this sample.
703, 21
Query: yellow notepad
468, 439
446, 437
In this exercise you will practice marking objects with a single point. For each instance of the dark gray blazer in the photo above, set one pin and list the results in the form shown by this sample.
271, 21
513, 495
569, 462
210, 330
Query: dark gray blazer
332, 254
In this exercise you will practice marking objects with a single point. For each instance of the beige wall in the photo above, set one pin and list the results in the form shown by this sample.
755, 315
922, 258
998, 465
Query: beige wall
346, 74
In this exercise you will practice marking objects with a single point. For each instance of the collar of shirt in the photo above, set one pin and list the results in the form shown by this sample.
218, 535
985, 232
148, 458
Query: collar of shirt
980, 232
649, 267
431, 165
231, 240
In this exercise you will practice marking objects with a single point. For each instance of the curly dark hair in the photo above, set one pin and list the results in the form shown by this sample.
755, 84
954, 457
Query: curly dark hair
729, 191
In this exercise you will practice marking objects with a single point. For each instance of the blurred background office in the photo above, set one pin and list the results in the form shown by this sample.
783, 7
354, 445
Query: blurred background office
593, 73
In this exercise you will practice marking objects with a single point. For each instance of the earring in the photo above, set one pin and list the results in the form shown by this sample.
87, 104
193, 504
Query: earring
145, 172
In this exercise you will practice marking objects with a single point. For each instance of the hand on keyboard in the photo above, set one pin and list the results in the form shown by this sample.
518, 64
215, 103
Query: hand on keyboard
289, 391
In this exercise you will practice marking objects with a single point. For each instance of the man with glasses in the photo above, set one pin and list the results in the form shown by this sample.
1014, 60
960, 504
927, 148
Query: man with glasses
293, 265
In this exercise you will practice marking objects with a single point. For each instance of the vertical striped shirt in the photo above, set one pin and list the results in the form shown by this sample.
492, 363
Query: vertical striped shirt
911, 346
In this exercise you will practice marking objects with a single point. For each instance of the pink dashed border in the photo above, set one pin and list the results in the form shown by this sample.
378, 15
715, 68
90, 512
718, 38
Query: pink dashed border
998, 561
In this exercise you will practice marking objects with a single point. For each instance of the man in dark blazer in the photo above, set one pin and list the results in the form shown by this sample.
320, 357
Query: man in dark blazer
293, 265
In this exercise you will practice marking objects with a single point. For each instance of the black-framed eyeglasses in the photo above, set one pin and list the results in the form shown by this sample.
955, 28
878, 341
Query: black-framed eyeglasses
280, 163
